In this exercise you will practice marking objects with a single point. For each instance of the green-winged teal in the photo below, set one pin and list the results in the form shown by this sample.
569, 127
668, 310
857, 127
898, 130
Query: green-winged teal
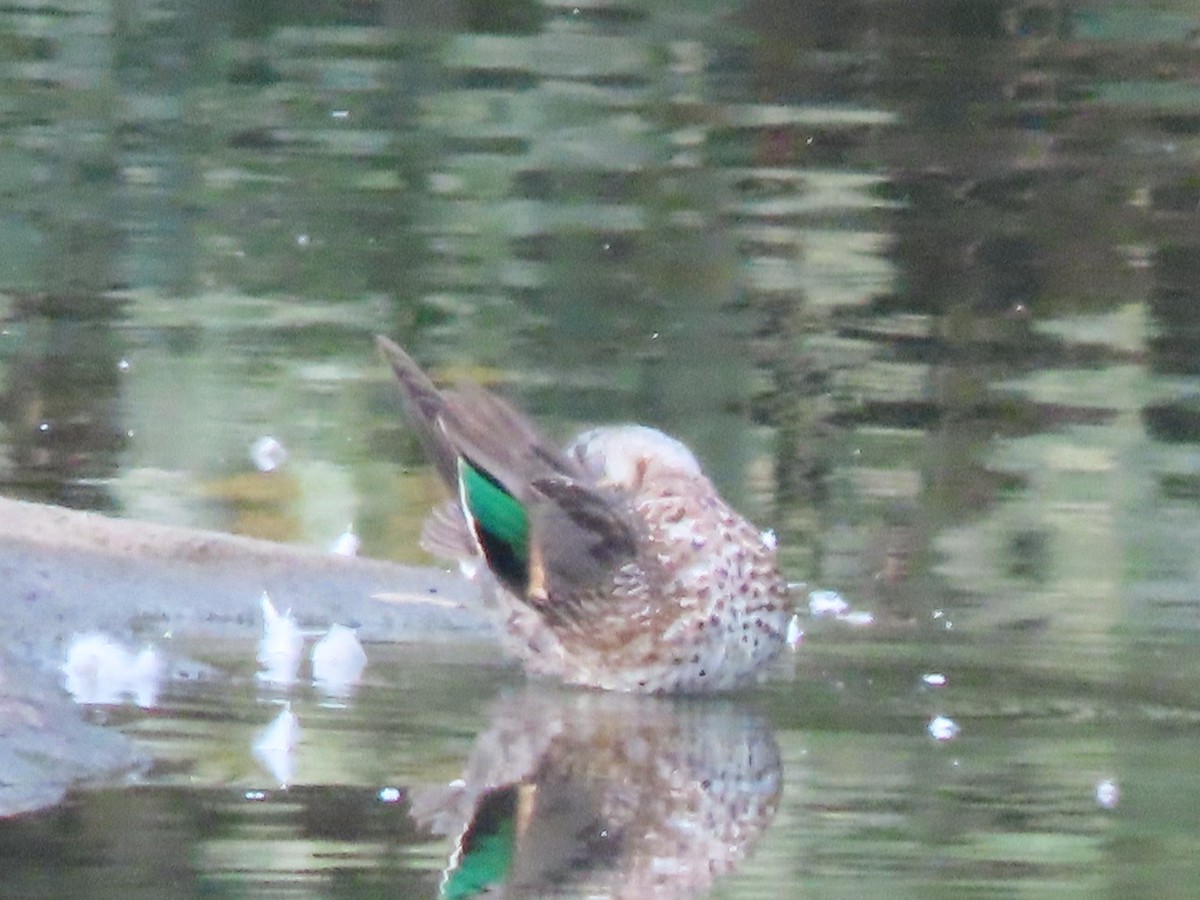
612, 562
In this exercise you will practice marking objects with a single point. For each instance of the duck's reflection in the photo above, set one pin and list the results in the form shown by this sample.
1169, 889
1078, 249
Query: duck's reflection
591, 794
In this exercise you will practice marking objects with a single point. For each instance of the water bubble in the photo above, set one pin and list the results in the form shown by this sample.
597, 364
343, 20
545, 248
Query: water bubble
1108, 794
338, 661
145, 677
933, 679
857, 617
340, 114
346, 543
943, 728
795, 634
303, 240
827, 603
123, 365
445, 183
280, 646
832, 605
100, 671
275, 746
389, 795
267, 454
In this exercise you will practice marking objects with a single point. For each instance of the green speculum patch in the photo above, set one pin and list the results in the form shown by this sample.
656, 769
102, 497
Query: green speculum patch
487, 847
500, 523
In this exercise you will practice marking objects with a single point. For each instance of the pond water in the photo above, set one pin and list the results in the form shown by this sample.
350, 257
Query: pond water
917, 281
827, 783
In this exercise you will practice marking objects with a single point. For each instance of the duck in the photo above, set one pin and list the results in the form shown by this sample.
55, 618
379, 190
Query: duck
611, 562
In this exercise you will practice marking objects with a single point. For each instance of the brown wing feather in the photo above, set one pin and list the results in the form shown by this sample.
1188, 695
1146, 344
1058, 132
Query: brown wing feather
471, 422
501, 440
425, 406
580, 533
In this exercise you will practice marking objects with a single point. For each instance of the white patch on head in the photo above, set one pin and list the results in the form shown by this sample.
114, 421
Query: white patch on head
621, 454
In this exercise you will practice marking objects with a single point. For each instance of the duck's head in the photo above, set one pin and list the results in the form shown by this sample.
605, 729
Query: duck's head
627, 456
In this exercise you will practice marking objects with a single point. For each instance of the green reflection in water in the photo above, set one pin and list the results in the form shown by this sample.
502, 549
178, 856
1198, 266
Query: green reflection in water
916, 281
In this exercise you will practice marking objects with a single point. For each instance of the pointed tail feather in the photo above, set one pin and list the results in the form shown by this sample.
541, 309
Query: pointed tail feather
425, 405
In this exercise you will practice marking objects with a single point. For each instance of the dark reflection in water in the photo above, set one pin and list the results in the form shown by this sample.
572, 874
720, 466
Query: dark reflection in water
61, 401
211, 841
446, 778
602, 795
562, 793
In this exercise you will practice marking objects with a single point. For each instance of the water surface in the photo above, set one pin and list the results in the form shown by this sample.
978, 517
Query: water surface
916, 281
827, 780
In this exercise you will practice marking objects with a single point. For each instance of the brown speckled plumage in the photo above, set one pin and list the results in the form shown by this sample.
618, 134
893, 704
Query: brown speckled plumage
637, 575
